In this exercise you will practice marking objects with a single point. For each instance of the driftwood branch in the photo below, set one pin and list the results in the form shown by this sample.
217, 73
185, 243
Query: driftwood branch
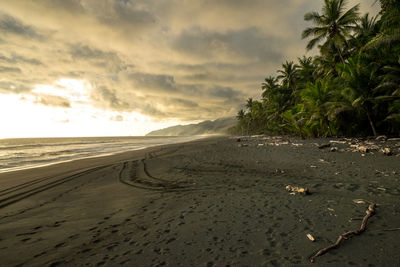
369, 212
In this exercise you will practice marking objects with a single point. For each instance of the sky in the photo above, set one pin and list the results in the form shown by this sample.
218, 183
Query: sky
127, 67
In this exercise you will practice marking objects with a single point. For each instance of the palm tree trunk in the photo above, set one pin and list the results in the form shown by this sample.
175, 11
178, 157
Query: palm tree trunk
371, 123
329, 127
340, 54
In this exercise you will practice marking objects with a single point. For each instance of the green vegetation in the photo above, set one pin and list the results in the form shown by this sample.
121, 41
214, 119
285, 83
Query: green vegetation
352, 87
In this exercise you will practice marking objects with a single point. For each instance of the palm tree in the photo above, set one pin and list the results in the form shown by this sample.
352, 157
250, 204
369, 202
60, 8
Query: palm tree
269, 85
288, 74
333, 26
390, 84
360, 80
306, 70
389, 27
249, 104
366, 25
316, 96
241, 118
365, 30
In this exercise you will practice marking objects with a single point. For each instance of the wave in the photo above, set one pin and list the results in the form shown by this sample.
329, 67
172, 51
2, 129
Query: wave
28, 153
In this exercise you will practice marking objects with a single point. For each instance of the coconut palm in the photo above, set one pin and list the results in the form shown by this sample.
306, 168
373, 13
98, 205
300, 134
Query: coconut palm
306, 70
316, 96
366, 25
249, 104
269, 86
360, 81
389, 27
288, 75
365, 30
333, 26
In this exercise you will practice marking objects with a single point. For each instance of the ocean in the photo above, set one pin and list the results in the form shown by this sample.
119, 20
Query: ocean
25, 153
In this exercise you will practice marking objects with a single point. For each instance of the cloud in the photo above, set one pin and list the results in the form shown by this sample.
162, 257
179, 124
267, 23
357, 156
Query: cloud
153, 82
224, 92
109, 60
183, 102
117, 118
108, 96
51, 100
11, 25
13, 87
15, 59
168, 59
9, 69
249, 44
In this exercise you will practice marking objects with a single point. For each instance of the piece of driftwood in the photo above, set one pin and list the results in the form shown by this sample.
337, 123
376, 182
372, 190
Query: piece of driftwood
309, 236
369, 212
297, 189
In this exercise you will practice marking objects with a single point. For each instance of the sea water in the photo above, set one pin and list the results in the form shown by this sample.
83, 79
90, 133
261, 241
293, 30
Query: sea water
24, 153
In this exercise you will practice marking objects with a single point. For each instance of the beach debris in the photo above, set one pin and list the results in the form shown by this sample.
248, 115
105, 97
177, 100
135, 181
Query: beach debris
260, 145
392, 229
386, 151
297, 144
296, 189
381, 138
337, 142
333, 149
345, 236
313, 166
359, 201
324, 145
238, 140
363, 149
243, 145
311, 237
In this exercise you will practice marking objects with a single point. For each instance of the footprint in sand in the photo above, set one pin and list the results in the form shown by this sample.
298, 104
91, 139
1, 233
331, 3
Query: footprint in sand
60, 245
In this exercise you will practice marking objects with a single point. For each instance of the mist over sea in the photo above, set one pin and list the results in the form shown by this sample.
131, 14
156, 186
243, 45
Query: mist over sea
24, 153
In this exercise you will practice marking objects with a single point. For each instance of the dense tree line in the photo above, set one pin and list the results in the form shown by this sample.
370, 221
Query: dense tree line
352, 87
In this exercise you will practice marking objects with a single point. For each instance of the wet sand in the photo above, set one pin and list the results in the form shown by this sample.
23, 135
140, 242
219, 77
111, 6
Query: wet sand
211, 202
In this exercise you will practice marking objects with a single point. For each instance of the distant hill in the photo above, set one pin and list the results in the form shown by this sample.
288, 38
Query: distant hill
219, 126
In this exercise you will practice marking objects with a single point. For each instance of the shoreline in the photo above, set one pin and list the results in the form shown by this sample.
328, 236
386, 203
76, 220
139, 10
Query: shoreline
81, 164
210, 202
26, 167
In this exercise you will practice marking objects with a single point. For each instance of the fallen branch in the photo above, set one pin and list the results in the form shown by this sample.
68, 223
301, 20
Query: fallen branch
369, 212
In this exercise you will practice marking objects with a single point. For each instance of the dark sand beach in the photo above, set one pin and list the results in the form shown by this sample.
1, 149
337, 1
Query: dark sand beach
211, 202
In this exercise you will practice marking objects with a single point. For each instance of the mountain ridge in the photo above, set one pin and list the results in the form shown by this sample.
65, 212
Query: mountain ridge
208, 127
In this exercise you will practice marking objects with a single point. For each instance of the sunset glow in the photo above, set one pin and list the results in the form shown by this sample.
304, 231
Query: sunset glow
79, 68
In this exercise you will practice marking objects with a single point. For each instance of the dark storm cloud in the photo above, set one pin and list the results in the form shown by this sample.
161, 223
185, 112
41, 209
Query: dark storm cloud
11, 25
250, 43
